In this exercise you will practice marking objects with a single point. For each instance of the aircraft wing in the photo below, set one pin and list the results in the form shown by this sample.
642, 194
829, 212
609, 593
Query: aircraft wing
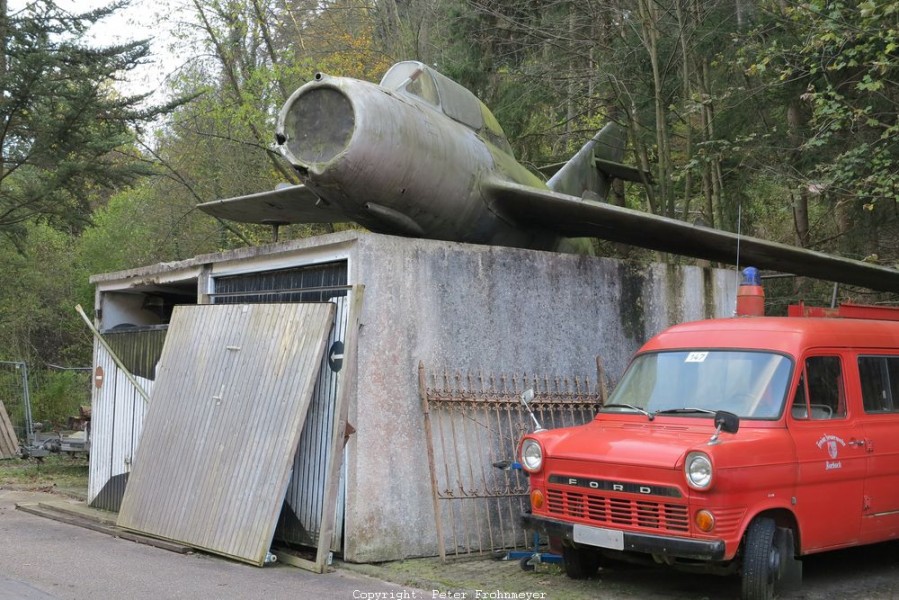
570, 216
288, 204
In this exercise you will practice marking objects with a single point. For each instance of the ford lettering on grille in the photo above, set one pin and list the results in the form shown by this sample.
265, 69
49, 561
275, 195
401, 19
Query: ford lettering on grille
616, 486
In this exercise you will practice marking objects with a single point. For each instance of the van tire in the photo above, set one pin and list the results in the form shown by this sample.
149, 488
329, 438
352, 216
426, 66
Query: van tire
580, 562
762, 560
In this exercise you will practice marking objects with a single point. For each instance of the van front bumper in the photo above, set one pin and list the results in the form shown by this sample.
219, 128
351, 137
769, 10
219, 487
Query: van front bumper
710, 550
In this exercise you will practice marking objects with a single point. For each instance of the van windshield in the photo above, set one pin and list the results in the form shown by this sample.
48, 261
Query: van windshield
695, 383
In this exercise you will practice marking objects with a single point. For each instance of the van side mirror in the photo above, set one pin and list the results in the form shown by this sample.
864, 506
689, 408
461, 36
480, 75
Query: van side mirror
526, 397
725, 421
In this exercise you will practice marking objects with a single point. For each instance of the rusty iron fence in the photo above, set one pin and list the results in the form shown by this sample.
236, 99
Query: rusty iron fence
473, 422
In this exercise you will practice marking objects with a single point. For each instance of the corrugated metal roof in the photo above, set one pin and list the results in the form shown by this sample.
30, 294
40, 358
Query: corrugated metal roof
232, 390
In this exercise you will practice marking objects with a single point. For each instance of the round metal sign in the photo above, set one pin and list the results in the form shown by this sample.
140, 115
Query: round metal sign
335, 356
98, 377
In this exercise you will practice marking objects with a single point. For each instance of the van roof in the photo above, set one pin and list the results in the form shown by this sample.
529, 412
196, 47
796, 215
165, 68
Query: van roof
790, 335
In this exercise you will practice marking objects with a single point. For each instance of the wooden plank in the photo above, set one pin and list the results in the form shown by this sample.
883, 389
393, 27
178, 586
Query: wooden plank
298, 561
9, 443
81, 511
36, 509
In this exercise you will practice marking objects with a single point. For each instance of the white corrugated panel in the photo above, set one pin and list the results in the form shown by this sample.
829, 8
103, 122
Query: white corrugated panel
232, 390
306, 491
117, 413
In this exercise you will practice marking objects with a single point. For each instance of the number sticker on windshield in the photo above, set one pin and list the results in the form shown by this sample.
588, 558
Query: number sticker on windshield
696, 357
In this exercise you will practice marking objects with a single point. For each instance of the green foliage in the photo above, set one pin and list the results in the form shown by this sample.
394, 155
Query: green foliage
56, 396
37, 300
63, 125
120, 237
845, 54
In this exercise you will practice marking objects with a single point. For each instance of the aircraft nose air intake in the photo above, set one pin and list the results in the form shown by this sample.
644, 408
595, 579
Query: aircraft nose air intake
317, 126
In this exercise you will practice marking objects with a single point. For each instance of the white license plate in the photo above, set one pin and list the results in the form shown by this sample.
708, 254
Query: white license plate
596, 536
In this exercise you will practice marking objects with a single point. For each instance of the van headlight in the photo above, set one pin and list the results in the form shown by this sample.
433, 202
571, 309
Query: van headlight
698, 469
531, 455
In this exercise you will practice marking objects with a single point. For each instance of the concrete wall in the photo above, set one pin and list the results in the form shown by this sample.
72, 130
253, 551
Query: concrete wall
483, 308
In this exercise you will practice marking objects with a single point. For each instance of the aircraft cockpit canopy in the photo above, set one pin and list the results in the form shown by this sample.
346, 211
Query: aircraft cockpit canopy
413, 79
458, 103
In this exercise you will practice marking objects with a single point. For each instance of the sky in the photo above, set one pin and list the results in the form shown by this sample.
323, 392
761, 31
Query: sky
143, 19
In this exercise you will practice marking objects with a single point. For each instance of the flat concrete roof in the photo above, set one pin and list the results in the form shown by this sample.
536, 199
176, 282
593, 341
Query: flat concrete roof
134, 276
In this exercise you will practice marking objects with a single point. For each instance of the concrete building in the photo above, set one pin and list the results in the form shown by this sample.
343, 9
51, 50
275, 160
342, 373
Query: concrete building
444, 305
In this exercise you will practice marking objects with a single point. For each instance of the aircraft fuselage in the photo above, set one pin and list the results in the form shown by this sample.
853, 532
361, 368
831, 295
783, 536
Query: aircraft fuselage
397, 164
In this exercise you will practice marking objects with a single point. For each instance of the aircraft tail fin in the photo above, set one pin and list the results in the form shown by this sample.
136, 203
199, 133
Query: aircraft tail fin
589, 173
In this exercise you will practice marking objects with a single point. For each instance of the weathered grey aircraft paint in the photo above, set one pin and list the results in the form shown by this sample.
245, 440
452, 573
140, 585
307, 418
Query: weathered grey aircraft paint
419, 155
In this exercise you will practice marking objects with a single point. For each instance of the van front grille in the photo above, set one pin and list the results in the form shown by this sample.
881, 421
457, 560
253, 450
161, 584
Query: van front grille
617, 511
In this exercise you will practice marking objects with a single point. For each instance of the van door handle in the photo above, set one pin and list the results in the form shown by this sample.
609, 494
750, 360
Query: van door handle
867, 444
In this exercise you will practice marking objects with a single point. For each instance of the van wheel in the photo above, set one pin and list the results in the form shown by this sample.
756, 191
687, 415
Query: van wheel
762, 561
580, 563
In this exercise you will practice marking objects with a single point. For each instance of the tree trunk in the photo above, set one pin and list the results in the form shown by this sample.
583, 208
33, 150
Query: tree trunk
686, 60
642, 156
800, 200
713, 182
649, 16
800, 216
4, 34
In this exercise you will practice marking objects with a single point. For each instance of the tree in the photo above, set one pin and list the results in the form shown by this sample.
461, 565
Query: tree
37, 319
64, 130
833, 68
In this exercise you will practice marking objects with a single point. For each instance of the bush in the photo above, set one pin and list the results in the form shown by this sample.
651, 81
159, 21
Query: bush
56, 396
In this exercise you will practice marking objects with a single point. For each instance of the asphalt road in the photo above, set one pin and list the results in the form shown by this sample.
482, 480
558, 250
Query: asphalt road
41, 559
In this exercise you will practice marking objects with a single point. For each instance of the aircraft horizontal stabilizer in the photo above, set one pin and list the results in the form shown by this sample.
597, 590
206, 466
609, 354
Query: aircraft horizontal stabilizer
288, 204
573, 217
616, 170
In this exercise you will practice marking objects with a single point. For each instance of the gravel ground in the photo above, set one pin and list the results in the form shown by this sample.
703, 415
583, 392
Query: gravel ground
870, 572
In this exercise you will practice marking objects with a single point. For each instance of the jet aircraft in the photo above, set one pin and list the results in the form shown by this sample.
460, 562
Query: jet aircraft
420, 155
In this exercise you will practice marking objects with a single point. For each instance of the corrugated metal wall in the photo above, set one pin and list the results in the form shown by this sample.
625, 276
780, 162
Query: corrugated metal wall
300, 521
301, 518
118, 411
233, 387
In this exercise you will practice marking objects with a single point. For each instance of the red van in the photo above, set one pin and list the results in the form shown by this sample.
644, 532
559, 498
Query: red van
734, 446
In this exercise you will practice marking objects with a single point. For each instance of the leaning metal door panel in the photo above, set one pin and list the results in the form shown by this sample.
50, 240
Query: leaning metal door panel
232, 390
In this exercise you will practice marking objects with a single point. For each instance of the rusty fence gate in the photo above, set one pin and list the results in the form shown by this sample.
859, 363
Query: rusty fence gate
473, 423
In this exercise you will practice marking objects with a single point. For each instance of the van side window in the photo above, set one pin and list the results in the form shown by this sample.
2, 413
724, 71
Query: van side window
821, 393
880, 383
